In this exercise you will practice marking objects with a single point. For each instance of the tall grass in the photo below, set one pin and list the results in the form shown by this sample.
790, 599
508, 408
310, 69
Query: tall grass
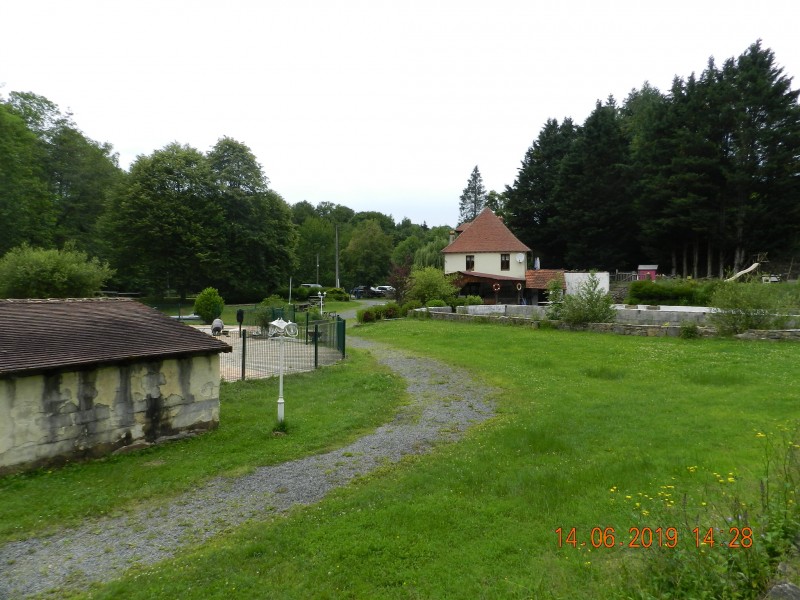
586, 423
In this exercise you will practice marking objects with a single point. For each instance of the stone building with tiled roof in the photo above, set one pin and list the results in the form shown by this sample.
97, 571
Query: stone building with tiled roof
85, 377
489, 260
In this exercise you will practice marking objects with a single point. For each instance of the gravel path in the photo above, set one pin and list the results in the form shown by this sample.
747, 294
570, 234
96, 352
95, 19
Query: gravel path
444, 402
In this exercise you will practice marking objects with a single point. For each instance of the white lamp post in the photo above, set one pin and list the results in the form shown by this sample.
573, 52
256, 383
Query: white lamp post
281, 328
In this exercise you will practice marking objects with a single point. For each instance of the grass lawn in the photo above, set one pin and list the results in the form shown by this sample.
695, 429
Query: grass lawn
593, 432
324, 409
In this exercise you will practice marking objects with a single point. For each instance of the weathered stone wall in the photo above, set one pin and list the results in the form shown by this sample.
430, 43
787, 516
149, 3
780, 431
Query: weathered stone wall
617, 328
53, 417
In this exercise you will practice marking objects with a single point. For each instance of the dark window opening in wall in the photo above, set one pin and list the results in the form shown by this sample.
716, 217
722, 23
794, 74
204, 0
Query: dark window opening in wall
470, 262
505, 262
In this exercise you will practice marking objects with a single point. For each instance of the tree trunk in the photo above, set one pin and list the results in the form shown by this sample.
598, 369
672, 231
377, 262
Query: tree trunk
721, 264
695, 257
674, 262
709, 261
685, 260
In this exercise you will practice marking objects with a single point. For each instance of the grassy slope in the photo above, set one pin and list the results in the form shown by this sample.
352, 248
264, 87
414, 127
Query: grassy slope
580, 414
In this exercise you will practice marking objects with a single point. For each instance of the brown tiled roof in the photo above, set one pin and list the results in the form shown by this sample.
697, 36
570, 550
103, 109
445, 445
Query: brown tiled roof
40, 335
488, 276
538, 279
487, 233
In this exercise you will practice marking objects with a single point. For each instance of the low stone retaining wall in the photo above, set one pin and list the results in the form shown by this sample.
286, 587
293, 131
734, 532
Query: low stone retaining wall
777, 334
617, 328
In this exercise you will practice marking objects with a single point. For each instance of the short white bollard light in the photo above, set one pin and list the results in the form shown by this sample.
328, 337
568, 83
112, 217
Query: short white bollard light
282, 329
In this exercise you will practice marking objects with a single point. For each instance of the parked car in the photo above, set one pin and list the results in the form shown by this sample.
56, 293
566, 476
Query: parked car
364, 291
385, 290
311, 285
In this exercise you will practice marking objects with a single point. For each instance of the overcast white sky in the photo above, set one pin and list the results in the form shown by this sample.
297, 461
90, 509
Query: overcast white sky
373, 104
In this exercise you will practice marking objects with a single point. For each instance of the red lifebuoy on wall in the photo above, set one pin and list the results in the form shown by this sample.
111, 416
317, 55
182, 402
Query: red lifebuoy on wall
496, 287
519, 287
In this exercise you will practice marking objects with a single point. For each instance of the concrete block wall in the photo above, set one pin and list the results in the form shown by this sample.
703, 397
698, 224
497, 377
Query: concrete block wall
53, 417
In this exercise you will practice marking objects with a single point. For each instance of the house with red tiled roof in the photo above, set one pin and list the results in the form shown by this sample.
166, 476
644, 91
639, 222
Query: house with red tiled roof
488, 259
85, 377
537, 282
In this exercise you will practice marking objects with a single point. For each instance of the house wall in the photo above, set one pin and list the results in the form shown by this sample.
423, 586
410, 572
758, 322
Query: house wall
485, 262
49, 418
573, 281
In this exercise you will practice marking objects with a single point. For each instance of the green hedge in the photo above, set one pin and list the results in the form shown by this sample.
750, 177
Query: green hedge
672, 292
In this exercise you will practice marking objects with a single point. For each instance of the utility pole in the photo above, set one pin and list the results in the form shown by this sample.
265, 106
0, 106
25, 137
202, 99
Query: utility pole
337, 255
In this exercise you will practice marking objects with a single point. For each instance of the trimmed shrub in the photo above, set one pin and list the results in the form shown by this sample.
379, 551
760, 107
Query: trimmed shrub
410, 306
378, 312
460, 301
436, 303
474, 300
301, 293
391, 311
209, 304
366, 315
673, 292
337, 294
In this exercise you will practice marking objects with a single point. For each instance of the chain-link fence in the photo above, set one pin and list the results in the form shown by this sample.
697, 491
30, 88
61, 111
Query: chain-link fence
256, 354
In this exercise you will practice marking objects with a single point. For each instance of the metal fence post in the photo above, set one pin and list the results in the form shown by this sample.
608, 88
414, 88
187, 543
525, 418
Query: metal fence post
342, 343
316, 345
244, 351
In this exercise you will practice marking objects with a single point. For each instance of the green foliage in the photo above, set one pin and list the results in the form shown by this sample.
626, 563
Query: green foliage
742, 306
260, 239
430, 253
27, 272
266, 311
555, 295
430, 283
474, 300
167, 223
409, 306
209, 304
689, 331
337, 294
366, 315
473, 198
367, 256
458, 301
590, 304
436, 303
672, 292
378, 312
484, 495
26, 211
739, 540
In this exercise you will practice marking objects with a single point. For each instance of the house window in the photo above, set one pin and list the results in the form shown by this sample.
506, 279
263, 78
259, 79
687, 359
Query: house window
470, 262
505, 262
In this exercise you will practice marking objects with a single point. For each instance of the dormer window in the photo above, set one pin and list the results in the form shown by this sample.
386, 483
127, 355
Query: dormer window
505, 262
470, 262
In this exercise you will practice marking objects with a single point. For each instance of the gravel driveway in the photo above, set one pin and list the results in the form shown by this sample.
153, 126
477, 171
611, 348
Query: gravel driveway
444, 402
